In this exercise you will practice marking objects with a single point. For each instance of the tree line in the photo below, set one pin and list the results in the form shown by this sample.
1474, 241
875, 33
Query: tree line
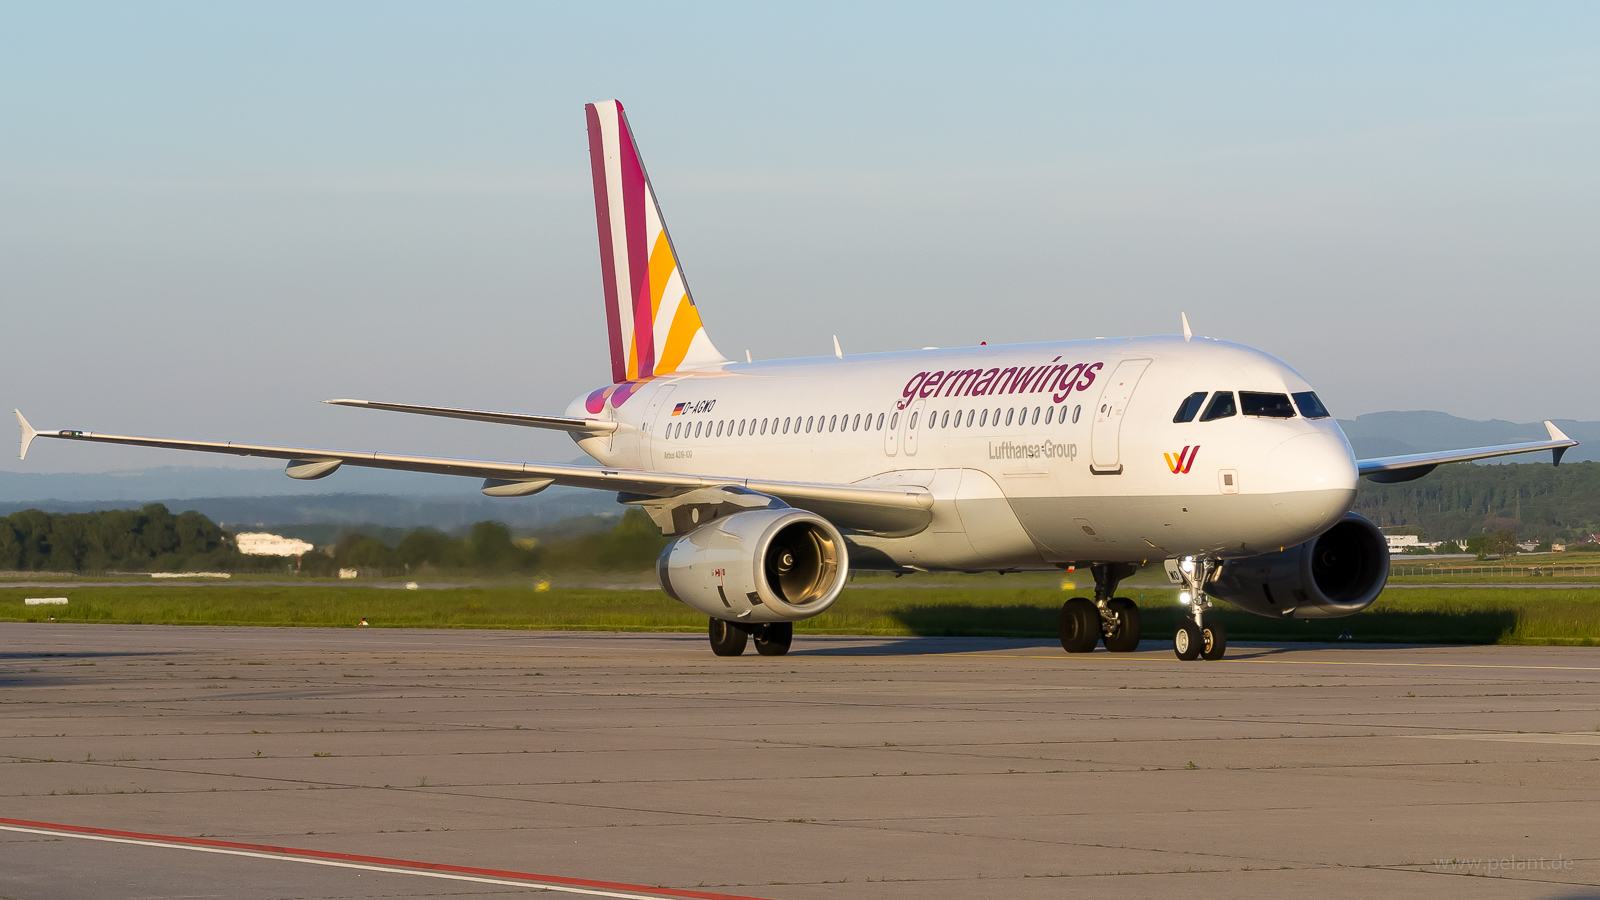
1532, 501
150, 539
153, 539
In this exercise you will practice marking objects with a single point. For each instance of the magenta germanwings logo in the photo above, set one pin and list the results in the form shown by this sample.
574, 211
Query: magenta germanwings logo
1059, 380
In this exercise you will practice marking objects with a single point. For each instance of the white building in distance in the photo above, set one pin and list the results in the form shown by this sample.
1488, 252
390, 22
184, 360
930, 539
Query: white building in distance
262, 544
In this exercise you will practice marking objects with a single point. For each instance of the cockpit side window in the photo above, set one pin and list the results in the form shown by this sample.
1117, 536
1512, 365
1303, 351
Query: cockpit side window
1190, 407
1310, 406
1221, 407
1266, 406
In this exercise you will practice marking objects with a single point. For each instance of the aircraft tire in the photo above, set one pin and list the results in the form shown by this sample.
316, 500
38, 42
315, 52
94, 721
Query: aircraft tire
1186, 643
1080, 625
1124, 637
1213, 640
774, 639
727, 639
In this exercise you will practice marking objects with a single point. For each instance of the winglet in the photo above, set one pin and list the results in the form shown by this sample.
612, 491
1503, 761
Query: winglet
836, 351
1556, 434
28, 434
1187, 334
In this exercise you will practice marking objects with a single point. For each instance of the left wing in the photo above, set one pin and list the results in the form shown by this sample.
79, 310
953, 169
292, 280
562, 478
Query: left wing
1394, 469
876, 510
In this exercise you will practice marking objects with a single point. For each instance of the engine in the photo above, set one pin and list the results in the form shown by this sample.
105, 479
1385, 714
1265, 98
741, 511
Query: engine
763, 565
1337, 574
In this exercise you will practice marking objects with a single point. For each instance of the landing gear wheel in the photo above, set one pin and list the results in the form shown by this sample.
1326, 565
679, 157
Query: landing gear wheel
727, 639
774, 639
1186, 643
1080, 625
1213, 640
1124, 635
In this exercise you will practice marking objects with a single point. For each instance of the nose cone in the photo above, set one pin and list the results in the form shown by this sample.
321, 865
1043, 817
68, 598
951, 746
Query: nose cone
1312, 480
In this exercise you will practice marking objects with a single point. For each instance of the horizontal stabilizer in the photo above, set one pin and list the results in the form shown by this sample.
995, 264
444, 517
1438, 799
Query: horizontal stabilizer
557, 423
1394, 469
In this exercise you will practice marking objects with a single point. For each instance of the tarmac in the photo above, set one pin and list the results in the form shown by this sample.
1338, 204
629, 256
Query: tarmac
151, 761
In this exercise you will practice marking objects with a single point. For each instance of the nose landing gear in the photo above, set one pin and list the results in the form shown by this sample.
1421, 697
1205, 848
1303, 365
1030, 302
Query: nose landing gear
1196, 638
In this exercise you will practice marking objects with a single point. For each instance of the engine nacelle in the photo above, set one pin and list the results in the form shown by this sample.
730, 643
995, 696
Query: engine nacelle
1337, 574
764, 565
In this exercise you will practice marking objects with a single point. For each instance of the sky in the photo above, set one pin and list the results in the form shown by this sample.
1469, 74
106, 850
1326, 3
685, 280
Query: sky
213, 216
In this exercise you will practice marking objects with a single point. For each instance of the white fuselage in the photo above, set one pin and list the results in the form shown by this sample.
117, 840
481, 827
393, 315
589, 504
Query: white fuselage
1037, 454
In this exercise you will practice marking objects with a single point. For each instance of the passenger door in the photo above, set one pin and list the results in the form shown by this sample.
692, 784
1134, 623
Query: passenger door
654, 427
1105, 441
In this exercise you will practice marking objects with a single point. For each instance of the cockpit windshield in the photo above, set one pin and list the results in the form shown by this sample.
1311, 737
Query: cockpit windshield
1310, 406
1190, 407
1221, 407
1266, 406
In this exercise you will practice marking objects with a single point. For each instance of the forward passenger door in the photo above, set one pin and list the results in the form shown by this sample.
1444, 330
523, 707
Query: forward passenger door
1105, 437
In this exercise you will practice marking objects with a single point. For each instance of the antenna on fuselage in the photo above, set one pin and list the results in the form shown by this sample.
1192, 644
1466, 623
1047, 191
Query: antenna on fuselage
747, 357
836, 351
1187, 334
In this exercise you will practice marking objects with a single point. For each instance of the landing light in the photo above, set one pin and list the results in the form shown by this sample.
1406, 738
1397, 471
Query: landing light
1187, 565
1184, 598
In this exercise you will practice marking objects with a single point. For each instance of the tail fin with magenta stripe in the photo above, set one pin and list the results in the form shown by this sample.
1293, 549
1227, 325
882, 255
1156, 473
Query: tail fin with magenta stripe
654, 326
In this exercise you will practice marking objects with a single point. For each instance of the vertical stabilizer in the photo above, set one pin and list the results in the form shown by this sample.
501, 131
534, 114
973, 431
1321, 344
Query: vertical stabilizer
653, 324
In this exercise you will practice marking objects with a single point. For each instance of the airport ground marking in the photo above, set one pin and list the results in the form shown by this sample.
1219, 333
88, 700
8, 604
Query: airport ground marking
384, 864
1287, 662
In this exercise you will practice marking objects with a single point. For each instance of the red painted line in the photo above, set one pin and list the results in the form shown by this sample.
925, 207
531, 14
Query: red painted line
417, 865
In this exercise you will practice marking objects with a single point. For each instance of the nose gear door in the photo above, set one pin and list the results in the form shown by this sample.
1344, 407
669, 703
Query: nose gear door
1105, 450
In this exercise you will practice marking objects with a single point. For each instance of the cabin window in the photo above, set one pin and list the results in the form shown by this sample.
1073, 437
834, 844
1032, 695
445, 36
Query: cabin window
833, 421
810, 420
997, 417
912, 425
984, 419
785, 424
1049, 413
719, 428
697, 427
959, 414
1310, 406
944, 420
1036, 411
857, 425
1220, 407
880, 421
1076, 411
763, 426
1190, 407
741, 428
1010, 414
894, 422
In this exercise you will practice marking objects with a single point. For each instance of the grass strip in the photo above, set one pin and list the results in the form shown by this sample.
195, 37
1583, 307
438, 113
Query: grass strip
1422, 615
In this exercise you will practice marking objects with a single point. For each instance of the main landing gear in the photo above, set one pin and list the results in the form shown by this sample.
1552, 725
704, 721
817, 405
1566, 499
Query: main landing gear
1197, 638
1115, 620
730, 638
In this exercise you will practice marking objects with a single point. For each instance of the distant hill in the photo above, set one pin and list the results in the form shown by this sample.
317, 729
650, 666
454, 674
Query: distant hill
1418, 431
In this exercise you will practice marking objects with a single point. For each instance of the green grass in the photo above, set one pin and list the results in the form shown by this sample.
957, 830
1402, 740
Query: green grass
1422, 615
